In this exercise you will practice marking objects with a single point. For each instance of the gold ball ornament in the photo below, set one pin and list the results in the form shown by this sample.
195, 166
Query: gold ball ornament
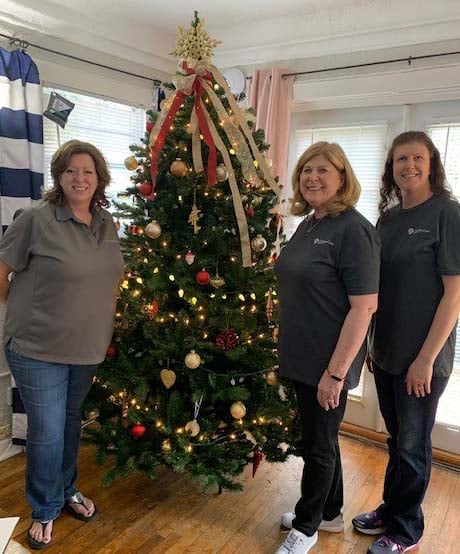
238, 410
153, 229
168, 377
192, 360
258, 243
272, 378
217, 281
193, 428
178, 168
131, 163
221, 173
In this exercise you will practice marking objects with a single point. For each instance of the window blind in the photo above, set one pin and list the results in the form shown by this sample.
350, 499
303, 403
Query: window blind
364, 147
110, 126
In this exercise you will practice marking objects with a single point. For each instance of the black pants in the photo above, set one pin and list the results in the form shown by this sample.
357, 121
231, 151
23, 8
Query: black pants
322, 482
409, 421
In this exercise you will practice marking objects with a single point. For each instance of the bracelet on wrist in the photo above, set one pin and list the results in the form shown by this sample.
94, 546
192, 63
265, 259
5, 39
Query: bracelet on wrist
335, 377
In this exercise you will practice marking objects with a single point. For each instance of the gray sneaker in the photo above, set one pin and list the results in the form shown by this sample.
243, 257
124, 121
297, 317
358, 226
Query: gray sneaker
335, 525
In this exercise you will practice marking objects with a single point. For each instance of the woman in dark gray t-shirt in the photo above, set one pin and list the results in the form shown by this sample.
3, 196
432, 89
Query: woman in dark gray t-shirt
327, 281
413, 334
67, 265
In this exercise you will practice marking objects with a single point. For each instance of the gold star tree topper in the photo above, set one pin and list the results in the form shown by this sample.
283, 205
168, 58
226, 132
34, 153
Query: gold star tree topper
195, 43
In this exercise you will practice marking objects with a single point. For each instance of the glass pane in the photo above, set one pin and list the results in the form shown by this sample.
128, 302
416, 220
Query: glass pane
447, 140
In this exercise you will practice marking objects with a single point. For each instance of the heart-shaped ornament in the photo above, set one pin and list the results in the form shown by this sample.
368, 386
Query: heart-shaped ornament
168, 377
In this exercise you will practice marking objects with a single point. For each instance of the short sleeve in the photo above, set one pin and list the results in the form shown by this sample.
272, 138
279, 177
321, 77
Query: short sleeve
16, 243
359, 259
448, 252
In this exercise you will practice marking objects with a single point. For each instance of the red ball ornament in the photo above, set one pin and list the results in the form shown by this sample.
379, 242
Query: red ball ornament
249, 211
145, 189
149, 126
203, 277
137, 430
111, 351
133, 229
227, 339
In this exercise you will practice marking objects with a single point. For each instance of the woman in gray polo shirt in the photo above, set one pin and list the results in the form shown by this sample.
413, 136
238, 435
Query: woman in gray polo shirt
328, 282
413, 334
65, 259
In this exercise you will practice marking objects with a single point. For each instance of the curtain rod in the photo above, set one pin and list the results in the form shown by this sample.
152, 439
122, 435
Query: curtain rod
24, 44
409, 60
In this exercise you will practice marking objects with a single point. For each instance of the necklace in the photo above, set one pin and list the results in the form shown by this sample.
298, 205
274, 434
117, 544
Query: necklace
312, 223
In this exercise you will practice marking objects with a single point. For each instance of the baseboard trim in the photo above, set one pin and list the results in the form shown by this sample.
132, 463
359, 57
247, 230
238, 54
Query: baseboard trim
440, 456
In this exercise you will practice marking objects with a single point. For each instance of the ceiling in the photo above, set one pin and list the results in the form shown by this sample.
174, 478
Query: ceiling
296, 34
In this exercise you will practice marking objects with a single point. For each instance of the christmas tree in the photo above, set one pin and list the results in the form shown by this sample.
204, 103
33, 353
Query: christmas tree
190, 380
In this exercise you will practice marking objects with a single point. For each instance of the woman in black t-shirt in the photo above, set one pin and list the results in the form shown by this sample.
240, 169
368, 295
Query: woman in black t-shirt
327, 282
413, 334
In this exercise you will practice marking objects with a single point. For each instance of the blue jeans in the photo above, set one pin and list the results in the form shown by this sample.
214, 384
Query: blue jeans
322, 481
52, 395
409, 421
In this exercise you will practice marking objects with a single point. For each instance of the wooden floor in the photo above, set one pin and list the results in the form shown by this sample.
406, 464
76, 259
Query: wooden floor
172, 515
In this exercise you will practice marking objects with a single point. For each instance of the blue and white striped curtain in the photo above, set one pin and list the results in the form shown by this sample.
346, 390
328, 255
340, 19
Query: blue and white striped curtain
21, 157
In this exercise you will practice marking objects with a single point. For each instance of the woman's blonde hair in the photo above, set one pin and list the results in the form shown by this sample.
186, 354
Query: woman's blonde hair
61, 161
347, 195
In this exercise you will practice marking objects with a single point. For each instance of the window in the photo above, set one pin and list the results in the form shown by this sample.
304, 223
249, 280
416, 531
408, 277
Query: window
110, 126
365, 149
447, 140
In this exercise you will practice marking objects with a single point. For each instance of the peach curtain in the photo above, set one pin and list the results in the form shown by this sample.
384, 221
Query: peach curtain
270, 94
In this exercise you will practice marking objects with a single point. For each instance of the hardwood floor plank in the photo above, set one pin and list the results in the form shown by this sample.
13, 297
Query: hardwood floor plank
172, 515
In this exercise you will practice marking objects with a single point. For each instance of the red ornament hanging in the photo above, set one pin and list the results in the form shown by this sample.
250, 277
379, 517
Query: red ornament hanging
137, 430
203, 277
257, 457
274, 222
145, 189
133, 229
152, 309
249, 211
227, 340
111, 352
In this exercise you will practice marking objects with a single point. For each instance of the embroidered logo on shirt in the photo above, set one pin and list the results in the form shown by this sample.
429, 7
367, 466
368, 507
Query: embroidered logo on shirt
413, 231
323, 241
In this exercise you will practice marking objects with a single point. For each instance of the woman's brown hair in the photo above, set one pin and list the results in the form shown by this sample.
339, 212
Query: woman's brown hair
389, 190
61, 161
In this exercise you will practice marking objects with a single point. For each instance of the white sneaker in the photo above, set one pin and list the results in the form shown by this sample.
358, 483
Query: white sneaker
297, 543
335, 525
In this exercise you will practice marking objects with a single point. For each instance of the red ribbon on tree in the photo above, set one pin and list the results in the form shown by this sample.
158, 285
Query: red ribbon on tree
157, 146
179, 97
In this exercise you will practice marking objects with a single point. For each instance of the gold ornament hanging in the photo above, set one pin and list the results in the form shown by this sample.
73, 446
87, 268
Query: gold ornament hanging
153, 229
166, 446
258, 243
168, 377
178, 168
217, 281
194, 215
269, 305
131, 163
193, 428
192, 360
221, 173
238, 410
